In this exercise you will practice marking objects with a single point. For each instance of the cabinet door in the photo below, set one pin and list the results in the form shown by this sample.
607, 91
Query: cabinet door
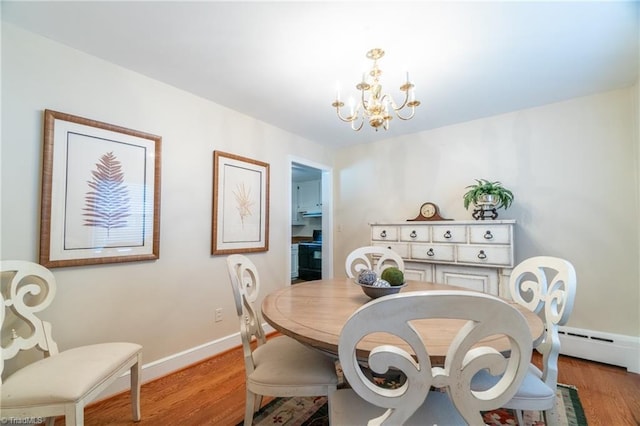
479, 279
295, 215
294, 261
309, 196
414, 271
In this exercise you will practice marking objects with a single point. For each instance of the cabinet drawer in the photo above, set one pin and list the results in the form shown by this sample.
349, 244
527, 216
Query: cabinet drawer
414, 233
449, 234
401, 249
384, 233
485, 255
490, 234
434, 252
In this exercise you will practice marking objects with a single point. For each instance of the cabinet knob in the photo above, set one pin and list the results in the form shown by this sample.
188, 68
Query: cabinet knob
383, 234
482, 255
447, 234
413, 234
430, 252
488, 235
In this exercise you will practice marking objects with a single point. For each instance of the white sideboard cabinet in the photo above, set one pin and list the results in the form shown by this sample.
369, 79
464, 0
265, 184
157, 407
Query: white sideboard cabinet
473, 254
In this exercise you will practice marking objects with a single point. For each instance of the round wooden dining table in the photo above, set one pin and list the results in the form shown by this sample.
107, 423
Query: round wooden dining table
314, 313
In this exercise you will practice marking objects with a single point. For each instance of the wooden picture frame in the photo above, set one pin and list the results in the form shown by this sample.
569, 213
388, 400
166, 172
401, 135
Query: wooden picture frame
240, 204
100, 200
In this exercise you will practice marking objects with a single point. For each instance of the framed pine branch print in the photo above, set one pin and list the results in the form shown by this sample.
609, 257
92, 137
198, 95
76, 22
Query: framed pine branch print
100, 193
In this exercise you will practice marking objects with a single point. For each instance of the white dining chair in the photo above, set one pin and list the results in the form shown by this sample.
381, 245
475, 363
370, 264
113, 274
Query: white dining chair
279, 366
375, 258
547, 286
61, 383
430, 394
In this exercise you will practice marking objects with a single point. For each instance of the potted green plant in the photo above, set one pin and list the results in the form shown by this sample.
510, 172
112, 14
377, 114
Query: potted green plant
487, 194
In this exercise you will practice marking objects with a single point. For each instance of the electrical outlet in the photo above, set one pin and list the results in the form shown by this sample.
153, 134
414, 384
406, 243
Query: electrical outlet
218, 314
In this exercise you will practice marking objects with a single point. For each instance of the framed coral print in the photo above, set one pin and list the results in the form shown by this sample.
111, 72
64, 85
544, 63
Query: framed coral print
240, 204
100, 193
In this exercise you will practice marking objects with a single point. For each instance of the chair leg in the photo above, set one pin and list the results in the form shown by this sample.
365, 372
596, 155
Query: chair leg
74, 415
249, 408
519, 417
330, 393
135, 390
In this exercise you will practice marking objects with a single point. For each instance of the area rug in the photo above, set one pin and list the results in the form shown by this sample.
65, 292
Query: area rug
313, 411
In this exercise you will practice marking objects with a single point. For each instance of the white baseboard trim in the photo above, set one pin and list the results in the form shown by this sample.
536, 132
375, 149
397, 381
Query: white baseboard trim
172, 363
609, 348
167, 365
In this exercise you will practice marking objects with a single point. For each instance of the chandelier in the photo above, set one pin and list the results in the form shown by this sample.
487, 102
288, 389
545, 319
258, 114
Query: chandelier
374, 106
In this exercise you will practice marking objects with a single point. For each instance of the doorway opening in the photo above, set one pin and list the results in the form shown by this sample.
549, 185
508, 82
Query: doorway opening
311, 221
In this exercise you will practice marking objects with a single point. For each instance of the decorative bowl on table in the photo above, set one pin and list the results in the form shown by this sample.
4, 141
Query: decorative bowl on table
390, 281
374, 291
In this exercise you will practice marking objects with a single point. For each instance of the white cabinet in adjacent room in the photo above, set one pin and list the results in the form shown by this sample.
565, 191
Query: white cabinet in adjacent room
295, 214
294, 261
309, 196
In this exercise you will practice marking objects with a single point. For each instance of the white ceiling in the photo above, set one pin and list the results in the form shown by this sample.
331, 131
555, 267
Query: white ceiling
281, 61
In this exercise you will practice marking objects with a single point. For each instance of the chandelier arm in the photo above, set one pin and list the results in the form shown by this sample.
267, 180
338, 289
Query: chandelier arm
357, 129
409, 117
364, 104
404, 103
347, 119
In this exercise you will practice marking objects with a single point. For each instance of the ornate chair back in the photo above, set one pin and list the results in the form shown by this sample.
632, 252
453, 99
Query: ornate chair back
376, 258
27, 288
547, 286
245, 282
484, 317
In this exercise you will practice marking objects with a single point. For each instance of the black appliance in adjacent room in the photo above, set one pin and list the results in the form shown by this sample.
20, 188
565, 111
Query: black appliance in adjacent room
310, 257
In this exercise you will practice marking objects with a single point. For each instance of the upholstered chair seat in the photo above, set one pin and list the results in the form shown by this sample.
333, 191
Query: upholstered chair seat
66, 377
286, 362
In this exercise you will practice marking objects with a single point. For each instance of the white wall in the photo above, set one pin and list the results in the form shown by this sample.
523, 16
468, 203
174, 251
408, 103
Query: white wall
572, 167
166, 305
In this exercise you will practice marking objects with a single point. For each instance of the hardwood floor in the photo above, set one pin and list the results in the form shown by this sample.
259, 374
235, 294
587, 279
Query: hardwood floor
212, 393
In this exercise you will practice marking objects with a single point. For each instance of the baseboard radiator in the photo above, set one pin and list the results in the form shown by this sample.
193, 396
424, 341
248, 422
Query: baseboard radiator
608, 348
